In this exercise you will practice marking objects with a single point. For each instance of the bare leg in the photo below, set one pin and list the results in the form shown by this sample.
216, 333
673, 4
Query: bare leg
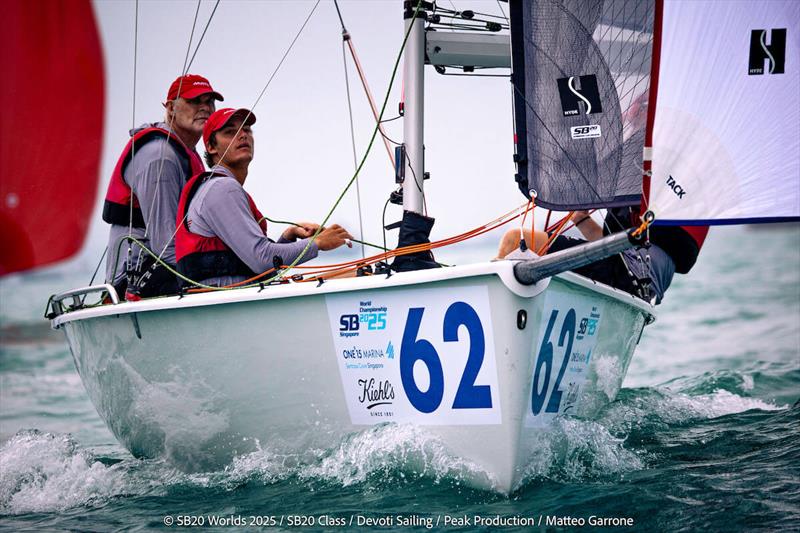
510, 241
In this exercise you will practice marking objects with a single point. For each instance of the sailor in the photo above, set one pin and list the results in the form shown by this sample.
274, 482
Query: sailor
645, 272
142, 197
221, 236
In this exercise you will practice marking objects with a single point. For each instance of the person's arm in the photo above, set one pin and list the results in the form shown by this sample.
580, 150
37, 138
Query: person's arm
158, 180
590, 229
226, 212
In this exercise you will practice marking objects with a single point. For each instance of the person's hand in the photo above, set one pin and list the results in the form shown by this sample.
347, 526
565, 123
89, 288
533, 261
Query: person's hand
590, 229
302, 230
332, 238
577, 216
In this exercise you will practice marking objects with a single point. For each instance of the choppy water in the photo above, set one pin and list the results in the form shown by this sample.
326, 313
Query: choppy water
705, 434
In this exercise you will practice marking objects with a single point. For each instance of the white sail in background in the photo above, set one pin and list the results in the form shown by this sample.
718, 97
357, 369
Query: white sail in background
726, 145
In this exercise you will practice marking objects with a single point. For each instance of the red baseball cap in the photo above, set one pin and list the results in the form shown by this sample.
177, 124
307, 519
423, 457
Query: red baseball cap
220, 117
191, 86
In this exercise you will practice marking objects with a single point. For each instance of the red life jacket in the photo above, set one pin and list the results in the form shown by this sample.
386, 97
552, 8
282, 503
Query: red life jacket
201, 257
117, 206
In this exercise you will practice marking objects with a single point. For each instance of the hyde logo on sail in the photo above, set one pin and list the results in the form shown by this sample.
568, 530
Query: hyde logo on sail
760, 51
572, 97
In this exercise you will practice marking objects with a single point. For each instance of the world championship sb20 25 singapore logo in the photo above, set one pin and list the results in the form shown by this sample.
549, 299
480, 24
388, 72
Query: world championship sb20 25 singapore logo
369, 325
369, 318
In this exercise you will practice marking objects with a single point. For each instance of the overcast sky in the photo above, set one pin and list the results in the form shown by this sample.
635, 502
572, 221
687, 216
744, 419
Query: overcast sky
303, 155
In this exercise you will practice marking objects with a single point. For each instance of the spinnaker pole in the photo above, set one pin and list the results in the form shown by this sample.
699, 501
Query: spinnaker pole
532, 271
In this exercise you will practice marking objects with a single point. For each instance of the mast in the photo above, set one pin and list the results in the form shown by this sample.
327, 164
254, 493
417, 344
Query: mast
452, 49
414, 107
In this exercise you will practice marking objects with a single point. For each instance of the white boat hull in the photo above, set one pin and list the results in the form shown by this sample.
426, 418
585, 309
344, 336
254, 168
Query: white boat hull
201, 379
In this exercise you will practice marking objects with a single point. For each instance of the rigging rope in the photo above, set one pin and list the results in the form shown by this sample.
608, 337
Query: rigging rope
499, 5
320, 272
336, 269
346, 38
352, 128
272, 76
364, 157
264, 90
133, 125
210, 17
369, 145
184, 71
189, 48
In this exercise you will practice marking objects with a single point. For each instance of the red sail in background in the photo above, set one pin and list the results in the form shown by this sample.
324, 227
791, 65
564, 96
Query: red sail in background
51, 130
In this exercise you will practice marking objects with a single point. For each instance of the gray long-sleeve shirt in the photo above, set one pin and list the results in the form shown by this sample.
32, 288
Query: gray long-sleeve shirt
220, 209
156, 176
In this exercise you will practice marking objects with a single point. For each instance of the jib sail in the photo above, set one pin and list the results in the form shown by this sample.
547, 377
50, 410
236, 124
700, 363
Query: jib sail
581, 73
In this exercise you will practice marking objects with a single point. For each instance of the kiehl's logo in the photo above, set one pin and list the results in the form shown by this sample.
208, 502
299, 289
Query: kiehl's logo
572, 97
773, 53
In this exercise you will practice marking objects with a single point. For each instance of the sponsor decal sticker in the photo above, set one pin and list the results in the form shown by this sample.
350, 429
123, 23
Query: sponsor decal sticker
585, 132
583, 100
774, 53
567, 336
368, 318
425, 355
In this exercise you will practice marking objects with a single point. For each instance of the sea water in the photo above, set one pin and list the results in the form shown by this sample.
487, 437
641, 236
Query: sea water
704, 435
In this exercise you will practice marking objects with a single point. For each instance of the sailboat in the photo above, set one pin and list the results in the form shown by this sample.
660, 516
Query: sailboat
485, 356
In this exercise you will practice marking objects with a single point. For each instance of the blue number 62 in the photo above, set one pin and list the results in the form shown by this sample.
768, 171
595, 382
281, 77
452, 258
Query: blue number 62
545, 361
468, 395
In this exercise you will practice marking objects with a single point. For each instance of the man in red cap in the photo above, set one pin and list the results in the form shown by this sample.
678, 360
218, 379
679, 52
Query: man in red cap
142, 197
222, 237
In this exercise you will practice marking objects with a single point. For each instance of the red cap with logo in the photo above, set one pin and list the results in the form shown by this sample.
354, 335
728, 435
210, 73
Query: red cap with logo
220, 117
191, 86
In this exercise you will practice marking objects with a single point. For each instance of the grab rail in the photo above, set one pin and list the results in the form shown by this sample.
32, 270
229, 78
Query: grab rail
55, 302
